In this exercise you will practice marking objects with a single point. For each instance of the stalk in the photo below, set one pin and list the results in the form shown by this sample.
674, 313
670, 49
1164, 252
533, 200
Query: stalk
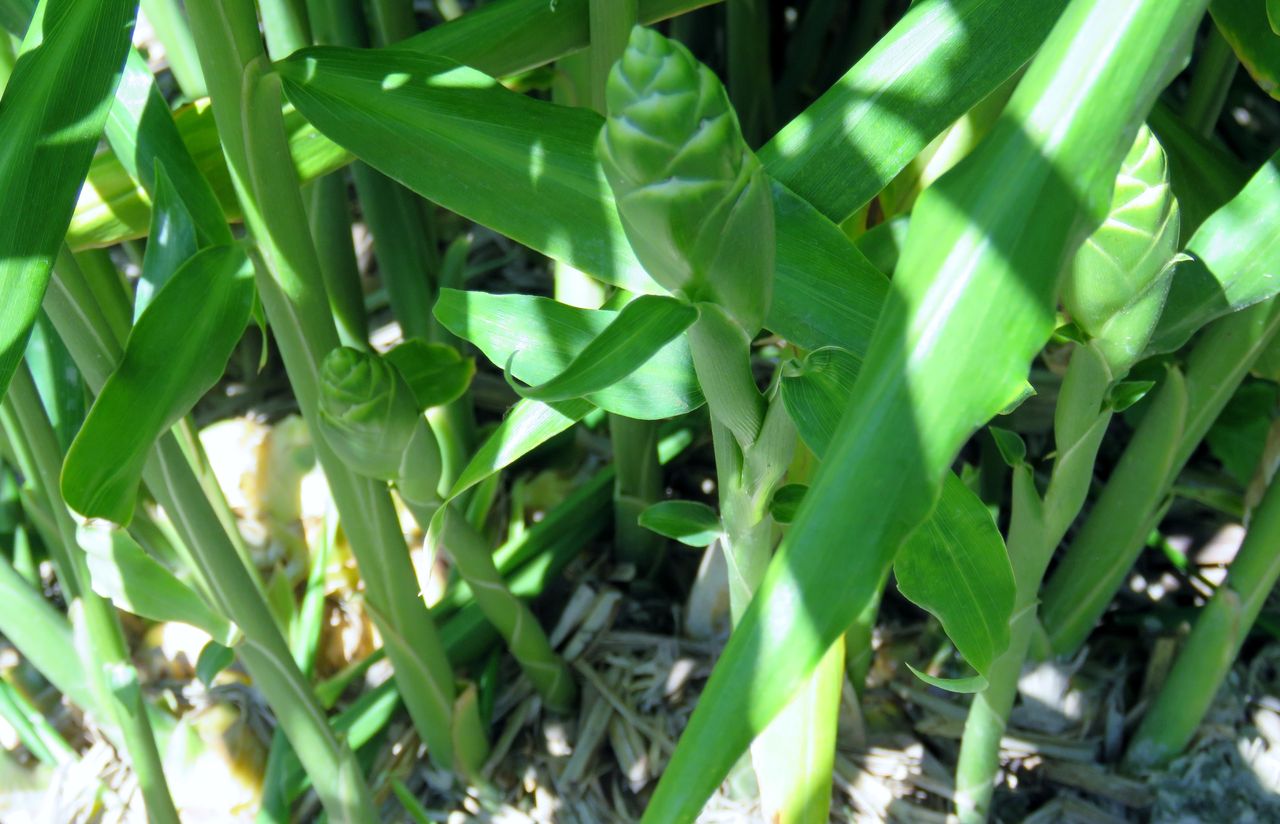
1210, 83
111, 670
170, 24
1112, 536
721, 257
1220, 630
34, 730
247, 109
750, 86
403, 230
330, 220
367, 414
220, 572
1115, 288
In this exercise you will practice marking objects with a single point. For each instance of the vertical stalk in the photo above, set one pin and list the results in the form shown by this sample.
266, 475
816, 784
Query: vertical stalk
1094, 564
112, 671
1220, 630
1036, 528
218, 567
750, 86
401, 225
247, 108
330, 220
1210, 83
170, 24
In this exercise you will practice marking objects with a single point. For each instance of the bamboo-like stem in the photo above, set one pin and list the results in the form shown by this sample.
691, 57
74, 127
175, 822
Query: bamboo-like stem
247, 108
1111, 537
33, 729
750, 84
219, 571
170, 24
111, 670
1215, 69
1220, 630
284, 27
330, 218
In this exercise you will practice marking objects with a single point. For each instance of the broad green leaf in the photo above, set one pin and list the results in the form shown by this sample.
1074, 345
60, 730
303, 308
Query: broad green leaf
882, 244
176, 352
1204, 174
973, 301
51, 117
956, 567
1235, 262
170, 243
940, 60
547, 336
689, 522
1247, 26
642, 329
501, 38
1273, 15
121, 572
816, 393
436, 372
527, 426
527, 169
432, 125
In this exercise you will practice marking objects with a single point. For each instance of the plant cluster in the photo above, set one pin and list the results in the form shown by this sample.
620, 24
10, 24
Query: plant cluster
956, 331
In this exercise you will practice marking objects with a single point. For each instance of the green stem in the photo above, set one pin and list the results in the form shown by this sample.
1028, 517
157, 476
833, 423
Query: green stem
220, 572
170, 24
750, 83
511, 616
1215, 70
247, 107
1036, 528
393, 21
1112, 536
330, 216
34, 730
118, 685
1220, 630
284, 27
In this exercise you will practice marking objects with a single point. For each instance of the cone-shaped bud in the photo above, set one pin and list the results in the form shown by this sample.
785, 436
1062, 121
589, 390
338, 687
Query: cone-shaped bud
368, 416
694, 200
1117, 283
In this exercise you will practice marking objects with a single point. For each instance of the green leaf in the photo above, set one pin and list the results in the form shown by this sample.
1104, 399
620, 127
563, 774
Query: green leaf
213, 659
550, 335
436, 373
528, 425
973, 301
1234, 262
51, 117
816, 393
135, 582
426, 121
1010, 445
1248, 26
176, 352
170, 243
955, 566
940, 60
1126, 393
964, 686
1273, 15
689, 522
786, 502
638, 332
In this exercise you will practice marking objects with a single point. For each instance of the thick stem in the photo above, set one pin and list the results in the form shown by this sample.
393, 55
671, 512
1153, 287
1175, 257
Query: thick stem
247, 104
1220, 630
113, 671
1113, 535
1209, 84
